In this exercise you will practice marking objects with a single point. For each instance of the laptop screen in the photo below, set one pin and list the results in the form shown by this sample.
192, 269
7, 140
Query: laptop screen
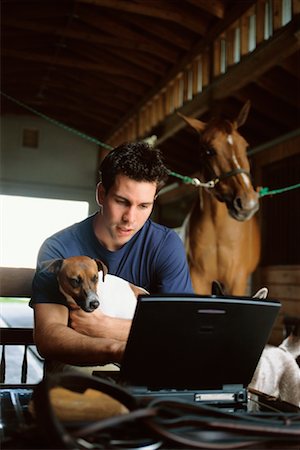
196, 342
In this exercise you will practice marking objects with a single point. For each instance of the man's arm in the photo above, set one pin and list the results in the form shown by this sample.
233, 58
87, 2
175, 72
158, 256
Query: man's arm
97, 324
55, 340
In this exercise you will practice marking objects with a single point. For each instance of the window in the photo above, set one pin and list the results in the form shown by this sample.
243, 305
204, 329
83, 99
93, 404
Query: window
26, 222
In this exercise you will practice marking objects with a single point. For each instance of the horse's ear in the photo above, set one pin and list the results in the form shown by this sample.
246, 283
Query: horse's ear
192, 122
102, 266
243, 114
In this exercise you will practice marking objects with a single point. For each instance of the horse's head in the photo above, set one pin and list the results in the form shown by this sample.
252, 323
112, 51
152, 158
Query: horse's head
223, 160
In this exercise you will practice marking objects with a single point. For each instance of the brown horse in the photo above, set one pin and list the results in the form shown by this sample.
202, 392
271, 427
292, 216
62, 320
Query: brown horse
222, 234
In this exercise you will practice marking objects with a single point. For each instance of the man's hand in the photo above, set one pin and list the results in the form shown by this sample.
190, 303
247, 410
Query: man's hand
97, 324
92, 324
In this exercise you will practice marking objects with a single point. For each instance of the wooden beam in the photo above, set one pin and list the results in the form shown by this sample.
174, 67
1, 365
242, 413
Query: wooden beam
73, 64
159, 10
284, 42
159, 30
109, 26
132, 41
273, 81
269, 105
214, 7
153, 65
96, 54
199, 48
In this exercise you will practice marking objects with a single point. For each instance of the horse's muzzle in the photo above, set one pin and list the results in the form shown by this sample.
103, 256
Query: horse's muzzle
242, 214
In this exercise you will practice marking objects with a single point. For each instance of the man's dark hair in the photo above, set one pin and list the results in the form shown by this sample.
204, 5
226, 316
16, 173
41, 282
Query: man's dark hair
137, 160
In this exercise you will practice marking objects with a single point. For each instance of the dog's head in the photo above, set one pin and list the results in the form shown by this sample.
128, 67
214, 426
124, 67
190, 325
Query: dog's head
78, 278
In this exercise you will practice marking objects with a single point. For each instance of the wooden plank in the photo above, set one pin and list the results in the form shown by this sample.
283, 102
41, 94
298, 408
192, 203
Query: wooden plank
277, 14
281, 274
230, 40
260, 21
205, 68
244, 27
17, 336
283, 283
195, 70
217, 57
16, 282
296, 7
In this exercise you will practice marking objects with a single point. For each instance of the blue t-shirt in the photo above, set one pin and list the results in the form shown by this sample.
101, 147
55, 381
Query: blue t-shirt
154, 258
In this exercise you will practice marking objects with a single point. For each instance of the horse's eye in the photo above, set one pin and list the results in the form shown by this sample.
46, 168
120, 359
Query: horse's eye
208, 151
75, 282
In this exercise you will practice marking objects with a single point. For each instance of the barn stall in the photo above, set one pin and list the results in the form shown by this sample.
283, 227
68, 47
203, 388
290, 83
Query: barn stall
110, 71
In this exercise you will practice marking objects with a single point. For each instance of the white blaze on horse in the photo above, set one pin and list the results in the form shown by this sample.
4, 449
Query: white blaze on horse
222, 235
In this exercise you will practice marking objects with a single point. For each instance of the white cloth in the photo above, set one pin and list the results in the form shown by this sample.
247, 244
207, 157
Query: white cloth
116, 297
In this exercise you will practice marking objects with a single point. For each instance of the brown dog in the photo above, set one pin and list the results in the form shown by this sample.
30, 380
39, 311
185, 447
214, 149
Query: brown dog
78, 279
79, 282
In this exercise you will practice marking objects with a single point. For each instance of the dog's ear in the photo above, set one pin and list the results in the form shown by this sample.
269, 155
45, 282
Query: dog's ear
102, 266
53, 265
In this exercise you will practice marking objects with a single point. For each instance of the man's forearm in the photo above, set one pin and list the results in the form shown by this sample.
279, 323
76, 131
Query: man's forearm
61, 343
99, 325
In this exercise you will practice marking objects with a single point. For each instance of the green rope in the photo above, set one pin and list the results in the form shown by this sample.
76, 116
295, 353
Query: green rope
185, 179
188, 180
265, 191
262, 192
57, 123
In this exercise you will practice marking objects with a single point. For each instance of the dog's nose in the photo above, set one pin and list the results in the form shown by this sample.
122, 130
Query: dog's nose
94, 304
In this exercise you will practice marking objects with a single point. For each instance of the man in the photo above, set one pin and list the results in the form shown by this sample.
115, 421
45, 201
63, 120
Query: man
127, 241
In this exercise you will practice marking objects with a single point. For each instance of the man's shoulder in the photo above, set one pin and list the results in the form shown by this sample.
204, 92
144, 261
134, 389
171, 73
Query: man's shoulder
63, 243
75, 228
158, 233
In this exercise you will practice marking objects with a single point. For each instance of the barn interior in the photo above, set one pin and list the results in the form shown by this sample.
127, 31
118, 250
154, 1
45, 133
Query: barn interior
79, 77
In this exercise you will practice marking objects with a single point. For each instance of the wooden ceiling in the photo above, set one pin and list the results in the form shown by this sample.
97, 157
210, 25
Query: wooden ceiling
94, 64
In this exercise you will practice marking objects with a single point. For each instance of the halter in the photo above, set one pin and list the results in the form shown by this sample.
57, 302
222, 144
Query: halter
216, 179
231, 173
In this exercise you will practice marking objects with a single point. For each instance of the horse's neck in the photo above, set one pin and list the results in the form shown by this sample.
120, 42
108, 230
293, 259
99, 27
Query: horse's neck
210, 208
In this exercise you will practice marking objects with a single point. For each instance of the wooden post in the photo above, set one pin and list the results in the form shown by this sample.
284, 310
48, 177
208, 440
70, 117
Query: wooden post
260, 21
244, 27
277, 14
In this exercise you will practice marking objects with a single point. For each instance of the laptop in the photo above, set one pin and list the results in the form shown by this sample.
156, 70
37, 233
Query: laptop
195, 348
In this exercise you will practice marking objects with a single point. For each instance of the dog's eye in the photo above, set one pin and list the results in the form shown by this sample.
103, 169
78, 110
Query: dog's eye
95, 279
75, 282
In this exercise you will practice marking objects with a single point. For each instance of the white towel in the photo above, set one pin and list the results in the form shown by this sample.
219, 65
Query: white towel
116, 297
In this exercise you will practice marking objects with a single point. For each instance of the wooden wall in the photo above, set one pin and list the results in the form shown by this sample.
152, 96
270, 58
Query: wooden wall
283, 283
279, 269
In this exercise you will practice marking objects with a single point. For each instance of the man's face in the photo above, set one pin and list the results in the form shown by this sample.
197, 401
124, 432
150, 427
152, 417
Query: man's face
126, 207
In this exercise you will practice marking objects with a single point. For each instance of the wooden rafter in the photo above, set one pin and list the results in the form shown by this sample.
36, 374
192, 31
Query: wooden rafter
159, 10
